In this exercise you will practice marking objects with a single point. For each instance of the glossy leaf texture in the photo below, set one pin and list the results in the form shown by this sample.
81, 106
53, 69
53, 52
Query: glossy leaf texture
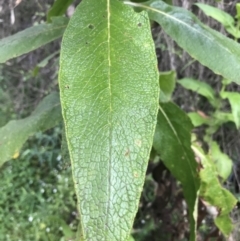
172, 140
209, 47
109, 94
212, 192
59, 8
31, 38
16, 132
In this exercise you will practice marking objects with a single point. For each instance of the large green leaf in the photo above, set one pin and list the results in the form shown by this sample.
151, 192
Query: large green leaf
31, 38
172, 141
109, 94
213, 193
208, 46
16, 132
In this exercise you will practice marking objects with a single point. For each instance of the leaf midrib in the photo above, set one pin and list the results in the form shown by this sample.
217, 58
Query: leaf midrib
110, 112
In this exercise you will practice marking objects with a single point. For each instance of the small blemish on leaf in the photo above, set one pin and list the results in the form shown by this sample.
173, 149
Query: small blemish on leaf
90, 26
139, 24
135, 174
67, 86
138, 142
127, 153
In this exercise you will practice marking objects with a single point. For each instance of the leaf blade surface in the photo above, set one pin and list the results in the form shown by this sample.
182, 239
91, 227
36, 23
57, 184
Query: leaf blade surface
109, 95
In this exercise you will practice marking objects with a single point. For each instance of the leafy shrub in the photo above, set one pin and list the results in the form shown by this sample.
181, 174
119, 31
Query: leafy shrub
38, 200
112, 114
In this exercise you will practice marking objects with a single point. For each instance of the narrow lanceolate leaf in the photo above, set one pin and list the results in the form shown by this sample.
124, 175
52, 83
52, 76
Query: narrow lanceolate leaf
208, 46
16, 132
214, 194
172, 141
109, 95
31, 38
223, 17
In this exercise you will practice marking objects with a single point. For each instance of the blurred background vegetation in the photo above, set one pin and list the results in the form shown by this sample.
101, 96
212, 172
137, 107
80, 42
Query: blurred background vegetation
37, 196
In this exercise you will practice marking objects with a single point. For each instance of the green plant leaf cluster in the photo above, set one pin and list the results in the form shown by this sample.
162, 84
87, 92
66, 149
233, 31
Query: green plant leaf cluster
16, 132
109, 97
214, 121
214, 194
194, 37
37, 197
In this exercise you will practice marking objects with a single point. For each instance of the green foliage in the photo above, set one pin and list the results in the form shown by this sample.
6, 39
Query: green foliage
214, 121
109, 89
178, 157
5, 107
224, 18
59, 8
114, 110
201, 88
213, 193
234, 99
31, 38
222, 161
238, 11
37, 194
15, 133
167, 82
193, 36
